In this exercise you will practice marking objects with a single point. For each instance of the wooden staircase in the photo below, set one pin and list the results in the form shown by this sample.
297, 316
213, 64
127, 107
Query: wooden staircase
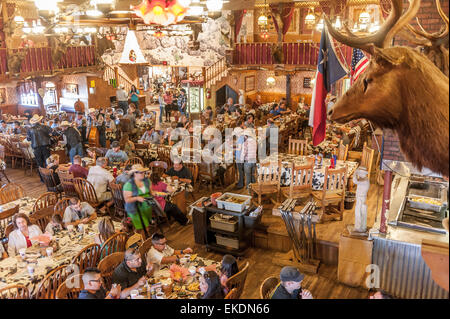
115, 76
216, 72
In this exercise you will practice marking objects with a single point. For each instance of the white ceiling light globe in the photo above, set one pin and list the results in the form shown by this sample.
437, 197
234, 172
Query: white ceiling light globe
214, 5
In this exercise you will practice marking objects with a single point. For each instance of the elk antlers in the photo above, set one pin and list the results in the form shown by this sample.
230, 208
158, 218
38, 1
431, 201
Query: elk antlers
383, 37
432, 37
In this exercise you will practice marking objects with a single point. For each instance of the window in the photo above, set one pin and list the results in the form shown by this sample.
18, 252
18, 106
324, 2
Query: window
28, 93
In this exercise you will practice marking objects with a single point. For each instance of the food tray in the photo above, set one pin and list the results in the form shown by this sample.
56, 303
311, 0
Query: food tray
231, 206
227, 241
222, 224
424, 206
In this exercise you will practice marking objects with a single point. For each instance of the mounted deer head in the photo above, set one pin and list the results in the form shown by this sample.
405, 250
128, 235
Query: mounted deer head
434, 44
402, 90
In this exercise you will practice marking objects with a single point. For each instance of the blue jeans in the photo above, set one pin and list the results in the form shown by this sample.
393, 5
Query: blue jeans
76, 150
249, 170
124, 106
240, 169
161, 110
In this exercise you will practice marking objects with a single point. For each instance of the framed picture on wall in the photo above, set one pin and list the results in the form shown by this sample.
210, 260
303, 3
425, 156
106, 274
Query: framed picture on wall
2, 96
72, 88
307, 83
249, 83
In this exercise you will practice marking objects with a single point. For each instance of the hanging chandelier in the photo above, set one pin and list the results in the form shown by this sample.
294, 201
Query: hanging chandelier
47, 7
214, 5
162, 12
263, 19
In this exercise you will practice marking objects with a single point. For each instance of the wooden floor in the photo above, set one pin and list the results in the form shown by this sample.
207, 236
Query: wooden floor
324, 285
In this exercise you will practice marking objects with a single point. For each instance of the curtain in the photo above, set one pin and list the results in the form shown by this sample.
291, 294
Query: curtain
287, 12
238, 18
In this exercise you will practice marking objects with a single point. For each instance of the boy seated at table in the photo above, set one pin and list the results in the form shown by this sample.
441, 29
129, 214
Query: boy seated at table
55, 225
115, 155
78, 213
93, 286
161, 253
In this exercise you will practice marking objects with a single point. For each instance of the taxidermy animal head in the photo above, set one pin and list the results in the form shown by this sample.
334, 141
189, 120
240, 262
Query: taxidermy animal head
15, 61
59, 49
103, 45
401, 90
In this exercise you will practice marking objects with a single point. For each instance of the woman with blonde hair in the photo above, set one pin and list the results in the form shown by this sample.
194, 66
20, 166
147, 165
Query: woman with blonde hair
126, 145
105, 231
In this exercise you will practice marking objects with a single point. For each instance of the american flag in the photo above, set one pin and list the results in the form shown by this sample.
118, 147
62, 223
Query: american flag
359, 64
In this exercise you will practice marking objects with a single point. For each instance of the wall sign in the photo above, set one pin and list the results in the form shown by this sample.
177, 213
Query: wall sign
250, 83
306, 82
72, 88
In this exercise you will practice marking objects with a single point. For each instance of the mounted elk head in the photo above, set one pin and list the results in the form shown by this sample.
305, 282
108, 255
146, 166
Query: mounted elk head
15, 61
435, 45
59, 49
401, 90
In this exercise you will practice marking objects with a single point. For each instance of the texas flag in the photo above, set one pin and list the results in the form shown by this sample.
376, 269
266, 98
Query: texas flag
329, 70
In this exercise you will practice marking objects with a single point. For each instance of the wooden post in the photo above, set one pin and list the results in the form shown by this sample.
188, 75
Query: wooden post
288, 91
386, 200
116, 72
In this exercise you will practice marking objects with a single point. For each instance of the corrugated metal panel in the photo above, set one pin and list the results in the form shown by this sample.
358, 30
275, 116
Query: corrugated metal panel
403, 271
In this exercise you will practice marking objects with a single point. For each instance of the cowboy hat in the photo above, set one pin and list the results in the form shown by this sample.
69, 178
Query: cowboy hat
138, 168
35, 119
92, 110
64, 123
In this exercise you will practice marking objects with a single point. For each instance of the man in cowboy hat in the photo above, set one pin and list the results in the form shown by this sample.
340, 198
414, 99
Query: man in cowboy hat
39, 136
72, 139
122, 98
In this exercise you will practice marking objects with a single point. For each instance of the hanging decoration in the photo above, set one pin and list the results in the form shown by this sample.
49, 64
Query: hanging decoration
162, 12
132, 53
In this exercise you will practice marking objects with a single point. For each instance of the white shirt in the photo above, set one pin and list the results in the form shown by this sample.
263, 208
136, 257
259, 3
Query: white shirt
122, 95
154, 256
17, 240
99, 178
70, 215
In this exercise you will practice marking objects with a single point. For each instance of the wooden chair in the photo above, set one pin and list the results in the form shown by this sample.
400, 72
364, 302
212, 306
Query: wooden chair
28, 158
367, 158
86, 192
159, 166
49, 180
119, 202
133, 161
6, 217
267, 287
115, 243
341, 152
61, 205
233, 294
335, 182
11, 192
49, 285
238, 281
67, 184
107, 266
144, 248
205, 172
164, 155
89, 256
2, 158
44, 201
268, 181
41, 218
297, 147
71, 288
301, 181
14, 292
193, 168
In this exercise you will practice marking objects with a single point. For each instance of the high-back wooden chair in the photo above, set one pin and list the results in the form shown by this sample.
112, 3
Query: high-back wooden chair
298, 147
11, 192
144, 248
61, 205
341, 152
49, 285
2, 157
367, 158
158, 166
233, 294
335, 182
267, 181
134, 160
115, 243
107, 266
238, 280
67, 184
71, 288
88, 257
6, 218
86, 192
48, 179
27, 157
267, 287
119, 201
205, 172
41, 218
193, 168
164, 155
44, 201
14, 292
301, 181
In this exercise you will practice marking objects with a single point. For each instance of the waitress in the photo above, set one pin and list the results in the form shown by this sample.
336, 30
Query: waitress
134, 96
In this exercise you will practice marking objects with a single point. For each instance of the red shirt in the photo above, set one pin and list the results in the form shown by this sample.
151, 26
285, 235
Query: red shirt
160, 187
167, 99
78, 171
28, 241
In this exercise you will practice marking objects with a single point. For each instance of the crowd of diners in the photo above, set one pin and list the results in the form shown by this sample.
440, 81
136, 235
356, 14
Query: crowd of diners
120, 127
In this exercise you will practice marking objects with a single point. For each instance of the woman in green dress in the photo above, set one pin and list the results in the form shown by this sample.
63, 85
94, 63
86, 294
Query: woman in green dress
135, 192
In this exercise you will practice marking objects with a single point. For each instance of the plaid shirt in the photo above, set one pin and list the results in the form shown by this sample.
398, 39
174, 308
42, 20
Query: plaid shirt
249, 149
182, 99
